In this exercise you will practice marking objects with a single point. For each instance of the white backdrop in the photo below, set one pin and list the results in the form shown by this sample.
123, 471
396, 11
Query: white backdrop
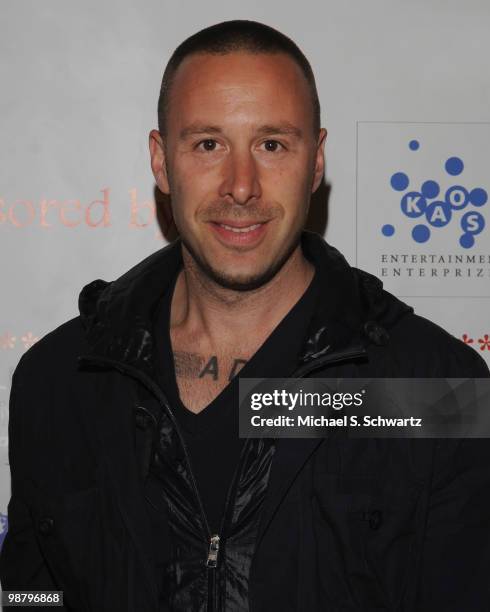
79, 88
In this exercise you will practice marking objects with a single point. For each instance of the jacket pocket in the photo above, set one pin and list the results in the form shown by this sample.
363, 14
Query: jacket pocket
365, 533
85, 544
64, 526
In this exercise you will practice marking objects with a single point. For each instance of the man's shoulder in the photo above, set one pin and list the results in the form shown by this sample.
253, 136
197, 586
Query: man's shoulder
416, 346
401, 342
431, 350
55, 352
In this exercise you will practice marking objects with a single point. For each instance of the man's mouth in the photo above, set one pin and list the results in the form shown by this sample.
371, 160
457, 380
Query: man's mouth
243, 234
246, 228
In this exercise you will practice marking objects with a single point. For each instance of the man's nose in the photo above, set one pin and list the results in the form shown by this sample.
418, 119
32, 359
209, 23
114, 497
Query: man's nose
240, 178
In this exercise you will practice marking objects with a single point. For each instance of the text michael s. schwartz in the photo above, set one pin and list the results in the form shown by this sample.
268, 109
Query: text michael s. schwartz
324, 421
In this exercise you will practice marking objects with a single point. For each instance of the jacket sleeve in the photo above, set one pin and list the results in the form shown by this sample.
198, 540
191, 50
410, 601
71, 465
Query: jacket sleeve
22, 566
456, 551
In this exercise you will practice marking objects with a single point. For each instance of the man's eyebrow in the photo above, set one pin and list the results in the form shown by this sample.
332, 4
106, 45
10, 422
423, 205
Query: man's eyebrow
199, 128
264, 130
281, 128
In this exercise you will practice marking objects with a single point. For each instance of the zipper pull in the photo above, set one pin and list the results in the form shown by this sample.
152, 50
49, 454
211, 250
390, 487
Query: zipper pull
212, 560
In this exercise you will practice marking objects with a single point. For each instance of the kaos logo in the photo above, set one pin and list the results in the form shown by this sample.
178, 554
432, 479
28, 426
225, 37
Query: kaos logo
433, 206
421, 219
421, 201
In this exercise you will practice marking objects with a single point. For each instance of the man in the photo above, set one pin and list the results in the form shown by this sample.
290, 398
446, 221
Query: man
130, 487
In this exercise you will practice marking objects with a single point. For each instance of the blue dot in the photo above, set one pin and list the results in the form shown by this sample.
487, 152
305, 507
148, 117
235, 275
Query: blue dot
421, 233
388, 230
438, 213
454, 166
430, 189
472, 222
413, 204
399, 181
467, 241
457, 197
414, 145
478, 196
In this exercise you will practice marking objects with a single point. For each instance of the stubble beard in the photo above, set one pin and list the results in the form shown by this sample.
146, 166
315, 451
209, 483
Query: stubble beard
255, 281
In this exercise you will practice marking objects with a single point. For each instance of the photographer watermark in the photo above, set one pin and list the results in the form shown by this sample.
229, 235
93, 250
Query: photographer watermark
369, 408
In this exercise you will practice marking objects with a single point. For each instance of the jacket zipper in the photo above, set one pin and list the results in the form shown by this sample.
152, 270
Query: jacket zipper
213, 541
212, 560
211, 564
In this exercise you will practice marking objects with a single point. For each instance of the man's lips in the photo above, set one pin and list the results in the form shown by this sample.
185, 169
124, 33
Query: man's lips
246, 233
239, 225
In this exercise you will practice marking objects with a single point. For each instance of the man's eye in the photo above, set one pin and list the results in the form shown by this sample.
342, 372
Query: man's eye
272, 145
208, 145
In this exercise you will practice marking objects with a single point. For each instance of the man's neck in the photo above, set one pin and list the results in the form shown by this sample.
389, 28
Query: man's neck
221, 317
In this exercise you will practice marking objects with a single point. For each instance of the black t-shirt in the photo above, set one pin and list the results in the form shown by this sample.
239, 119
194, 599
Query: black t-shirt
211, 436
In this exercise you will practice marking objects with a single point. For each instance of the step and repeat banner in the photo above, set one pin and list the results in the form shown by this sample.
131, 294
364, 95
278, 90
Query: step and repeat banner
405, 97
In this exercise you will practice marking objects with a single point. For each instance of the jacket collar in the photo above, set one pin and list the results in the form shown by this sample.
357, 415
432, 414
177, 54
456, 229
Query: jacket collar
117, 315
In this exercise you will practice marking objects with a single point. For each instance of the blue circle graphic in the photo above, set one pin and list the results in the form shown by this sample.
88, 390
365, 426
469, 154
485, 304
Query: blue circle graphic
478, 196
457, 197
454, 166
399, 181
413, 204
421, 233
438, 213
414, 145
467, 241
430, 189
388, 230
472, 222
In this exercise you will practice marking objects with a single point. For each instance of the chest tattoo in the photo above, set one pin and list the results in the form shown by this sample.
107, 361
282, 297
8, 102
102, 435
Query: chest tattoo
192, 365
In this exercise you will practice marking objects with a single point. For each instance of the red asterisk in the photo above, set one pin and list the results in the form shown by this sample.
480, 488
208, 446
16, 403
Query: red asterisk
467, 340
485, 342
29, 339
7, 341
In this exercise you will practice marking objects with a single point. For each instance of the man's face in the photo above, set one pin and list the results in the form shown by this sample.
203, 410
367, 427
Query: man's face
240, 161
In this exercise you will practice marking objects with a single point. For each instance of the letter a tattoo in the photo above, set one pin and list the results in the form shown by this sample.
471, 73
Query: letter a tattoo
210, 368
236, 366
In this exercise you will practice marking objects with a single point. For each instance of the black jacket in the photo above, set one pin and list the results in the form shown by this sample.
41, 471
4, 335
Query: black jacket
346, 524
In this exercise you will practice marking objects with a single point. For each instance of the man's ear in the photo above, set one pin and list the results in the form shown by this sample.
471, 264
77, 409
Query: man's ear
319, 160
158, 161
